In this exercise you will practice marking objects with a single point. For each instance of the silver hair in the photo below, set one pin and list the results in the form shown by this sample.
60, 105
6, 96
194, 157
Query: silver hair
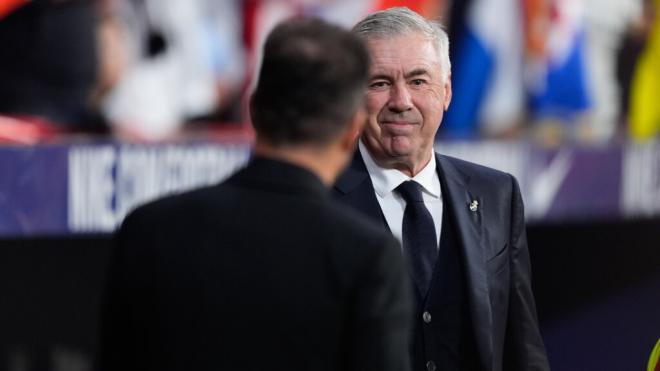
401, 21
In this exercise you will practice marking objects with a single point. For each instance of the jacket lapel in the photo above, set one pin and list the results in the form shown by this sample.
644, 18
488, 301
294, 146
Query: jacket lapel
469, 232
354, 187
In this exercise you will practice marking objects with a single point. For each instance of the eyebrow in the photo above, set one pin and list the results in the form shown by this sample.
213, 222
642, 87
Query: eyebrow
413, 73
380, 76
416, 72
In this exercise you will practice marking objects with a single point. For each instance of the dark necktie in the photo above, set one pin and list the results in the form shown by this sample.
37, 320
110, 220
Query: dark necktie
419, 241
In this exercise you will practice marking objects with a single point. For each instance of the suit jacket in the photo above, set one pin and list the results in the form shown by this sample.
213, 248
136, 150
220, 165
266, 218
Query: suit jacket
492, 246
263, 271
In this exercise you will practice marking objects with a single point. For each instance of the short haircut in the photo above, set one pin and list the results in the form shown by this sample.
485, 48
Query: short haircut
312, 81
401, 21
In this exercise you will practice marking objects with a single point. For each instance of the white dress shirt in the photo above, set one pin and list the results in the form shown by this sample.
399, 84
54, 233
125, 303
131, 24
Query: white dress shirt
393, 205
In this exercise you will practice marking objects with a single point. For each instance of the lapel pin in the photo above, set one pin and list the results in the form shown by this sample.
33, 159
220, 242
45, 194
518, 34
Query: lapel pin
474, 205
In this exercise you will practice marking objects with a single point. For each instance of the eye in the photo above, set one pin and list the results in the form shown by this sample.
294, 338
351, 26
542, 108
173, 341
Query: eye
378, 84
418, 82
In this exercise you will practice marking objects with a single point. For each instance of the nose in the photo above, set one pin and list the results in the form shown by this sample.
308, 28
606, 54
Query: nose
400, 99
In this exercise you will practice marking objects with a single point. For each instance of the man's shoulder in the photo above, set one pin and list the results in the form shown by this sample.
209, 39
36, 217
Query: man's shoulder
470, 168
475, 172
345, 219
352, 236
173, 208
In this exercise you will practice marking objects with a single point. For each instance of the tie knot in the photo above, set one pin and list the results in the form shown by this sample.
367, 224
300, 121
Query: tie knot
411, 191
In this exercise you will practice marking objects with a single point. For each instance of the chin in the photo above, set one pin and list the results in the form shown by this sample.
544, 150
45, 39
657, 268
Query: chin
399, 152
401, 149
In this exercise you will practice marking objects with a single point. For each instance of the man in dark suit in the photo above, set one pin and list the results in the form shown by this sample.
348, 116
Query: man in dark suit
265, 271
461, 224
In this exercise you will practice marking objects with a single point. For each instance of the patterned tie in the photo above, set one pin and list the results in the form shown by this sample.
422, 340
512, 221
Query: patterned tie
419, 242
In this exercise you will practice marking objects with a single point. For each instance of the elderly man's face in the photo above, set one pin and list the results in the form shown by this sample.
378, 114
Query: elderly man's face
406, 99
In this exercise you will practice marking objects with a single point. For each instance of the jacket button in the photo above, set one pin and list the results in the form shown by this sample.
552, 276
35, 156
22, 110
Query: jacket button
426, 316
430, 366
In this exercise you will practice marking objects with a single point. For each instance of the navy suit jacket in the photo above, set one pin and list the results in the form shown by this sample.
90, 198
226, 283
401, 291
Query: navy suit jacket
492, 246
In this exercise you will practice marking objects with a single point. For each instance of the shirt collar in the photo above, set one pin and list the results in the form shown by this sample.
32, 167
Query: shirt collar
386, 180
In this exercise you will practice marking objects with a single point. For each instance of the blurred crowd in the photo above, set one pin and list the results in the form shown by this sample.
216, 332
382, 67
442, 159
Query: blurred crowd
553, 70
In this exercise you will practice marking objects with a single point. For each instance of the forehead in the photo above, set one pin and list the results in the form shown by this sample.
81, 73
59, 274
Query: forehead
403, 53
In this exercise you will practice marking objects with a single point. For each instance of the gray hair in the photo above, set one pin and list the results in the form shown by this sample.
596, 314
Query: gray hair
401, 21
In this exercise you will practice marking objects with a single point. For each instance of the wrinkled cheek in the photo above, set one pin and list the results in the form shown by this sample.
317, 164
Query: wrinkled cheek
372, 129
374, 107
372, 134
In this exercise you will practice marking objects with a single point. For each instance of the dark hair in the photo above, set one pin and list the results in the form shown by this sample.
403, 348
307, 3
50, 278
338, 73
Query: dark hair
311, 82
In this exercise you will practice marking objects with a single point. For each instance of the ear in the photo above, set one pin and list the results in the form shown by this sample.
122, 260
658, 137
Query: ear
447, 88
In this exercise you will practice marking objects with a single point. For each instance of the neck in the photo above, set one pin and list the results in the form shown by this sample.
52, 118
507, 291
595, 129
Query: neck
320, 161
410, 168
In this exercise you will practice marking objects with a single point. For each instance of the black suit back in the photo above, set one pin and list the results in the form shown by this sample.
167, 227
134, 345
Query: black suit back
260, 272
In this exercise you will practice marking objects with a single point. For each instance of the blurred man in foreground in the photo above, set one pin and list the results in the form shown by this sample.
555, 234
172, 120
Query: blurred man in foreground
264, 271
461, 224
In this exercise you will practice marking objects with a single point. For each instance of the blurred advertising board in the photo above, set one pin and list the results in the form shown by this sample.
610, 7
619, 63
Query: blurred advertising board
74, 188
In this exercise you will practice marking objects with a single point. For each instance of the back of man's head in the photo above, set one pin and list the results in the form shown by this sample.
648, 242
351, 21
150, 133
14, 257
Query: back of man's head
311, 83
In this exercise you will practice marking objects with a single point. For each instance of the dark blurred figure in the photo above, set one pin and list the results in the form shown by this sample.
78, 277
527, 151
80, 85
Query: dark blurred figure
644, 111
606, 24
184, 63
50, 63
264, 271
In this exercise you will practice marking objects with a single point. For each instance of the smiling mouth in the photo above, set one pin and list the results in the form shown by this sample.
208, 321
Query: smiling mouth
397, 123
398, 127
